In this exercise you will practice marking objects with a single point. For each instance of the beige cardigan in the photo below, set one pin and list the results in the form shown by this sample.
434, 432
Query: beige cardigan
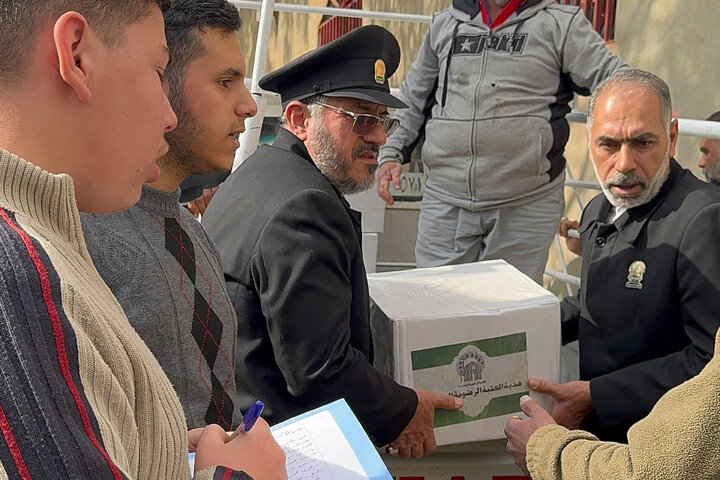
82, 395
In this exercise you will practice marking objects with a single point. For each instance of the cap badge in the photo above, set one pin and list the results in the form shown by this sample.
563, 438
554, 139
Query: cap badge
636, 272
379, 71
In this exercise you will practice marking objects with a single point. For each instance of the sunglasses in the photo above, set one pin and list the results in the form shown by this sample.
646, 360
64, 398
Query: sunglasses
364, 123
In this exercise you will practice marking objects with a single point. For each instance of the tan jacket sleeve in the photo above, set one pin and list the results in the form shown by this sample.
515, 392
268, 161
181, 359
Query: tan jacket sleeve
678, 440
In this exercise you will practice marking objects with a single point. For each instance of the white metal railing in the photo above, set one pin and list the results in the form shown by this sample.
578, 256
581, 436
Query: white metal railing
338, 12
699, 128
686, 126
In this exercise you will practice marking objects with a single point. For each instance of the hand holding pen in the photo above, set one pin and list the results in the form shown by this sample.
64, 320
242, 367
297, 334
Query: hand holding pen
249, 419
255, 452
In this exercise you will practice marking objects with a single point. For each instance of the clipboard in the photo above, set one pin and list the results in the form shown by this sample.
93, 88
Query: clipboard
327, 443
347, 438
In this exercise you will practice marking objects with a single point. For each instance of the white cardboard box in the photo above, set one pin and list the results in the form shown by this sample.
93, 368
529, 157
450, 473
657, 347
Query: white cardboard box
475, 331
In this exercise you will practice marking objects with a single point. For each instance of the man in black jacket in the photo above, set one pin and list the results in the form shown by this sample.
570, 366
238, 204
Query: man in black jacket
291, 248
647, 311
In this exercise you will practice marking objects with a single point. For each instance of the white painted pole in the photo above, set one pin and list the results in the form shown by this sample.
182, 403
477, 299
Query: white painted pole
686, 126
564, 277
699, 128
339, 12
253, 126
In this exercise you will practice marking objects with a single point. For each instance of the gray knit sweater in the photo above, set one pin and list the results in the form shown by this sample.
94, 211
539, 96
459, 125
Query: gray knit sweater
166, 274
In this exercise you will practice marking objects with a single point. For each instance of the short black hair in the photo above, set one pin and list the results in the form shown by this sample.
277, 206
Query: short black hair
715, 117
20, 21
182, 23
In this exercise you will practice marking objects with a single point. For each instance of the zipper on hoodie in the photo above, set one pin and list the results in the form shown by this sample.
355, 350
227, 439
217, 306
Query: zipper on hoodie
447, 65
483, 69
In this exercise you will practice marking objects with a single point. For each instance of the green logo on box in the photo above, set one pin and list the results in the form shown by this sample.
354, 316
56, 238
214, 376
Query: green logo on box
489, 374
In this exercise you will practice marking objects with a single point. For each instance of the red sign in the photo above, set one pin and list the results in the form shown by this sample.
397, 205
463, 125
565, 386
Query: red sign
456, 477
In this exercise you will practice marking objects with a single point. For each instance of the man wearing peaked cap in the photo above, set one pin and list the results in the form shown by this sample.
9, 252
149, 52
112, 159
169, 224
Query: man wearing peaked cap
356, 65
291, 247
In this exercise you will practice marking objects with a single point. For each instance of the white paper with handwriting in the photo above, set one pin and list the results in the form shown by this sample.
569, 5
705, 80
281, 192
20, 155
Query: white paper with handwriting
316, 449
327, 443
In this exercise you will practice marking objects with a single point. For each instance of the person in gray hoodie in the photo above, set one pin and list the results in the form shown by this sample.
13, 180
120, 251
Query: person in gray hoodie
489, 90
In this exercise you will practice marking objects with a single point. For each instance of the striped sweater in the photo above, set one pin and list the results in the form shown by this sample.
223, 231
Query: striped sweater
81, 396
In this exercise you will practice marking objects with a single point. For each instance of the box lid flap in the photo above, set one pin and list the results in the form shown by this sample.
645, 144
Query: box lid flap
472, 288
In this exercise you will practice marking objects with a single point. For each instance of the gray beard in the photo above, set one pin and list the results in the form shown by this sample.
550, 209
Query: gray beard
712, 174
335, 168
650, 187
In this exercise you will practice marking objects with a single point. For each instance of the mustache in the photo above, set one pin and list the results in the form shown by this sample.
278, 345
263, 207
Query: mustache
625, 179
366, 147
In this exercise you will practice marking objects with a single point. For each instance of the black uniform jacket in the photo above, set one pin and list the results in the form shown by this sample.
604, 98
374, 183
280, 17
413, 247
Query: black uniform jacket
293, 263
646, 327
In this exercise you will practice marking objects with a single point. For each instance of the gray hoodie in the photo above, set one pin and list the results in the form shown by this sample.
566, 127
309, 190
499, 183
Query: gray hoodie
493, 103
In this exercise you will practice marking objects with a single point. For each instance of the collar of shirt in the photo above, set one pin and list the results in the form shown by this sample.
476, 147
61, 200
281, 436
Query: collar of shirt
504, 14
615, 213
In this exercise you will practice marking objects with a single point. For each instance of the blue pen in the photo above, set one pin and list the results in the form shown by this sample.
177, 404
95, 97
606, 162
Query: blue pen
249, 419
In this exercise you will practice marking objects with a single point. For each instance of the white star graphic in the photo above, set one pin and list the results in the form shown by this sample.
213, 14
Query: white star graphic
466, 45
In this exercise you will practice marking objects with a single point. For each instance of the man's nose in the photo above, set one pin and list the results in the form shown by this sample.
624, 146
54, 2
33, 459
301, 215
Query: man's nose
245, 106
625, 161
377, 135
701, 161
171, 120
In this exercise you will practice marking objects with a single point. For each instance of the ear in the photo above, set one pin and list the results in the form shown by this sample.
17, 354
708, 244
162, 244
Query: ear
673, 137
72, 37
298, 118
